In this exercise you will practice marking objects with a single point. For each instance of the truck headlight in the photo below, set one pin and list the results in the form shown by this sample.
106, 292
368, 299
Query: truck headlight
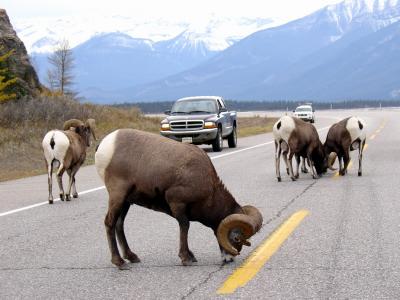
165, 126
209, 125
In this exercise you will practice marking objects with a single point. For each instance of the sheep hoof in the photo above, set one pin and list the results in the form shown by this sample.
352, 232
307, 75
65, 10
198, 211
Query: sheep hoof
293, 178
287, 171
50, 201
188, 259
342, 173
192, 257
75, 195
297, 176
120, 263
62, 197
305, 171
315, 176
124, 267
279, 179
359, 173
187, 262
67, 198
132, 257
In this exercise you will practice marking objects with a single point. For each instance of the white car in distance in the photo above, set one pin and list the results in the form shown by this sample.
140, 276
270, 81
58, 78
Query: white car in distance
305, 112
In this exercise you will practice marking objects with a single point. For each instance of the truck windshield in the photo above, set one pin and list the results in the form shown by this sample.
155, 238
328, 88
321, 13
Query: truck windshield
194, 106
303, 109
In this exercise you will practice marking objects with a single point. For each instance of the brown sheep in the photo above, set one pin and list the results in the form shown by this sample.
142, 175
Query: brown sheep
292, 137
343, 137
67, 149
177, 179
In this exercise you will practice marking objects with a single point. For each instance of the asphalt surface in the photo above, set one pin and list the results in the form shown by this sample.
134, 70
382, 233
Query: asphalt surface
346, 248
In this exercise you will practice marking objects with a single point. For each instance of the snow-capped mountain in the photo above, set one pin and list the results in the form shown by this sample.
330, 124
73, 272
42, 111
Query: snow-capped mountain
115, 51
40, 35
116, 60
270, 62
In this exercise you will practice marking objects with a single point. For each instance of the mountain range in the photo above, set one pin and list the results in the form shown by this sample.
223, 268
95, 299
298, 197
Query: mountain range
136, 52
349, 50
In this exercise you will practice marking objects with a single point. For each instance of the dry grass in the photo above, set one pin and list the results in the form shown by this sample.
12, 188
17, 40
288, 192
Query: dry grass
255, 125
24, 123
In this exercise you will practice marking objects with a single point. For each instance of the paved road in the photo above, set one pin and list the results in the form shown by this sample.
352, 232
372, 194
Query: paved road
346, 247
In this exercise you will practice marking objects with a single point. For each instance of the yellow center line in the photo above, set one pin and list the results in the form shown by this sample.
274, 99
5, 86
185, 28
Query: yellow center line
252, 265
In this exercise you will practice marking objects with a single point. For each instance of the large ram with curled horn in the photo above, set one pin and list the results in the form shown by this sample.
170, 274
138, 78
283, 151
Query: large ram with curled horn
66, 151
174, 178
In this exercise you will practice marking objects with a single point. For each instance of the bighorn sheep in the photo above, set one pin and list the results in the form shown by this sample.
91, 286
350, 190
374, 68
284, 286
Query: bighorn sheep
177, 179
295, 137
343, 137
67, 149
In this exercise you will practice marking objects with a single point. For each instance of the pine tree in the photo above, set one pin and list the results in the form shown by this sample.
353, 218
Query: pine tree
5, 80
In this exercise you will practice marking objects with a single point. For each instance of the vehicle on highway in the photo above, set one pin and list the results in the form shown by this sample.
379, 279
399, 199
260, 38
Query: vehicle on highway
305, 112
201, 120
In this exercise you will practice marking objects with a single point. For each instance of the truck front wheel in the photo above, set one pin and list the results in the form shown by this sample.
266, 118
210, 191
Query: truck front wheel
217, 144
232, 138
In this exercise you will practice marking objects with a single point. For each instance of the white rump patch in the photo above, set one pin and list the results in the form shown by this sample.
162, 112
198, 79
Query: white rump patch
285, 130
104, 153
61, 145
354, 129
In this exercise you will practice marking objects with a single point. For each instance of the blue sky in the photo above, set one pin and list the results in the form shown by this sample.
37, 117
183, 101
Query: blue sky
276, 9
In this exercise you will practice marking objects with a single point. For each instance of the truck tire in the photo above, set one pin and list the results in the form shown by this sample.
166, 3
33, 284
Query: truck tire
217, 144
232, 138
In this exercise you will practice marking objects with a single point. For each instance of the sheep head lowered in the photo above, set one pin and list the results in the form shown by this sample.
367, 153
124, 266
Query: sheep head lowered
235, 230
345, 136
178, 179
84, 129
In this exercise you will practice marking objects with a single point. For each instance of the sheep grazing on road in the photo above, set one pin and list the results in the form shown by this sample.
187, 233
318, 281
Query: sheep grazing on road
66, 150
343, 137
174, 178
294, 137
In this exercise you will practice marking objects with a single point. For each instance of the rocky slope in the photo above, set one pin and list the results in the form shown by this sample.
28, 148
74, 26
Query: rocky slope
18, 64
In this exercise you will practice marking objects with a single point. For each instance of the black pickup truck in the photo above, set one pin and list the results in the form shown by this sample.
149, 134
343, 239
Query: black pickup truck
201, 120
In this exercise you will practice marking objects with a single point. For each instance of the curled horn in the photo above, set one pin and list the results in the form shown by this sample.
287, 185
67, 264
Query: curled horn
72, 123
331, 160
91, 123
235, 230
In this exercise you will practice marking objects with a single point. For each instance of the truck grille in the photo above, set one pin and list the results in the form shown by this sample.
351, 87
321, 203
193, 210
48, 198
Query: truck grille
186, 125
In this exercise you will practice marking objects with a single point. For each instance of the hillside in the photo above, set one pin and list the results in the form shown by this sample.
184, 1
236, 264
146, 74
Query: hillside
18, 63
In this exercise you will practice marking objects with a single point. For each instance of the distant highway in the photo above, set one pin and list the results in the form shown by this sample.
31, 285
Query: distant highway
335, 237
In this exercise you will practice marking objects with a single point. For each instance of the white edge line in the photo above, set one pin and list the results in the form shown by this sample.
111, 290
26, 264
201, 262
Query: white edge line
10, 212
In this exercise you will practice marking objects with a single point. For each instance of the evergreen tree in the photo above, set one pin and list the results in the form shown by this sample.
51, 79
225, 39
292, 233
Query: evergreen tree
6, 79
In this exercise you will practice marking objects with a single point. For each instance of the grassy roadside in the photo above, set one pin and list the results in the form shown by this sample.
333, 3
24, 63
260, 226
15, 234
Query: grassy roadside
24, 123
254, 125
